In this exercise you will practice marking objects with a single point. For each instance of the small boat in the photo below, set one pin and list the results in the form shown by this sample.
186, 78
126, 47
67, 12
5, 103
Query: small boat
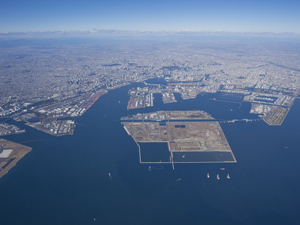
222, 168
228, 177
218, 177
208, 175
149, 168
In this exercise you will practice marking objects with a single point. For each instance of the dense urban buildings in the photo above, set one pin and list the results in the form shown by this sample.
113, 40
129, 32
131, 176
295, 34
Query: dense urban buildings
30, 74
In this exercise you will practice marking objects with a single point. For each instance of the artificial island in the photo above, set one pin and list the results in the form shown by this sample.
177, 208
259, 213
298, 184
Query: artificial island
10, 154
189, 136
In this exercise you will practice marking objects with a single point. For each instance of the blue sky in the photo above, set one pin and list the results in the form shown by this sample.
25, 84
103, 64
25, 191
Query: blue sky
170, 15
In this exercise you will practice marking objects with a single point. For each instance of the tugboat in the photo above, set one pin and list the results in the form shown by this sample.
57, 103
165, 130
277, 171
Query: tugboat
208, 175
228, 177
218, 177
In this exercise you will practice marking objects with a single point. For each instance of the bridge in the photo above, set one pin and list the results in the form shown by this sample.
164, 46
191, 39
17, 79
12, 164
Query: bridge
239, 120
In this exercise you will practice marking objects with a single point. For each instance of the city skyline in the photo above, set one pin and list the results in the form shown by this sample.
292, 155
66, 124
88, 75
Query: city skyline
214, 16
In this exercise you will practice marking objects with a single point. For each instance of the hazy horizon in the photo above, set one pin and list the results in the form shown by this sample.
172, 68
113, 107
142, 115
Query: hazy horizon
157, 16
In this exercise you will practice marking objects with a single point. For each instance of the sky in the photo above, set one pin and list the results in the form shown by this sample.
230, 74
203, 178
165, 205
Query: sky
158, 15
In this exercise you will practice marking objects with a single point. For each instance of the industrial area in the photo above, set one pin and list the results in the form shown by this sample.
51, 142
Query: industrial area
272, 115
272, 107
8, 129
54, 127
50, 115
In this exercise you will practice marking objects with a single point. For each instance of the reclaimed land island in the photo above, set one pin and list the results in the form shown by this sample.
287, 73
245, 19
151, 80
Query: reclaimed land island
186, 140
10, 154
171, 115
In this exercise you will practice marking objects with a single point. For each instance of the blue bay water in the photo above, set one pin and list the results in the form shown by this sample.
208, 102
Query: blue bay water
65, 180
